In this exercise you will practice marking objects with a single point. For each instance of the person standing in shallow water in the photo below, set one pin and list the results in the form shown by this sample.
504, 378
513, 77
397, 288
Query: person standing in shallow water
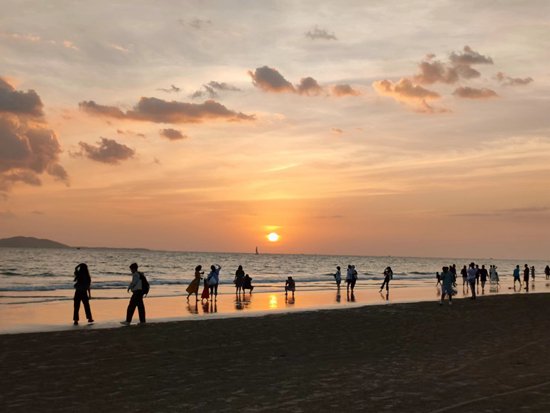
447, 281
388, 275
547, 272
214, 280
193, 288
137, 297
472, 273
526, 277
464, 273
82, 292
239, 280
338, 276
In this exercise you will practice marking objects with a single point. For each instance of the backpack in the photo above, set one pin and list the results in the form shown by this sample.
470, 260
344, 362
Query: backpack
144, 284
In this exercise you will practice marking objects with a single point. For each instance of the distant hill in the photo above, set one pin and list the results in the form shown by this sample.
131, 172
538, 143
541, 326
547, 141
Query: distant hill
30, 242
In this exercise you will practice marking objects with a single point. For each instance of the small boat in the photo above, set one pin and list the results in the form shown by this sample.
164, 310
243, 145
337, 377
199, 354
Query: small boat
257, 253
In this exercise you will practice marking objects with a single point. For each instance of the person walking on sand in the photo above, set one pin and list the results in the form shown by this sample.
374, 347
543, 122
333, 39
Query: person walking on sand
239, 279
338, 276
388, 275
136, 286
526, 277
517, 277
82, 292
447, 281
193, 287
547, 272
533, 272
214, 280
472, 272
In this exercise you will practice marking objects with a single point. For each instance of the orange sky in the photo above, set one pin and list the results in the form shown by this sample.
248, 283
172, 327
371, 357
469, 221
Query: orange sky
351, 128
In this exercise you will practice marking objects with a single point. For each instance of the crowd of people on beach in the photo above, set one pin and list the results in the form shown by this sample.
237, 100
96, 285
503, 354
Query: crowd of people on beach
473, 277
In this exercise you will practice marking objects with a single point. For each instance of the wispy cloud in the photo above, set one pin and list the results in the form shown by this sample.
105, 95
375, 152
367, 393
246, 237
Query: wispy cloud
320, 34
474, 93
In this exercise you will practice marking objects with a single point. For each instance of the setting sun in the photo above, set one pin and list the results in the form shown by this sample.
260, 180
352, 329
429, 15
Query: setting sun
273, 237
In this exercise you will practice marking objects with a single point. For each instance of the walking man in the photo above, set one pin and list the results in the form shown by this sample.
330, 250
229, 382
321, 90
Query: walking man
526, 277
137, 297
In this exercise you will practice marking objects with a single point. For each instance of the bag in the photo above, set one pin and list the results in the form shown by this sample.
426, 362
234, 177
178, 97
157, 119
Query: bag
144, 284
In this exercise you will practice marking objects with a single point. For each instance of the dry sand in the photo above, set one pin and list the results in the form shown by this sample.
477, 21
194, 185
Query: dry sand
489, 355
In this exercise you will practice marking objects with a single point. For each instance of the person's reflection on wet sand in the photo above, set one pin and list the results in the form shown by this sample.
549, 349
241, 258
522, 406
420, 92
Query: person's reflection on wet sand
239, 305
351, 297
290, 300
213, 306
385, 296
193, 308
338, 296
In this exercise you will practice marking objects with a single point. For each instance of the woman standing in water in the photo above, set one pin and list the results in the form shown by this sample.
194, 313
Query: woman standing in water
193, 287
239, 280
82, 292
214, 279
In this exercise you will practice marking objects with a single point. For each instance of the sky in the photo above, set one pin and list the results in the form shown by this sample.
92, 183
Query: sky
403, 128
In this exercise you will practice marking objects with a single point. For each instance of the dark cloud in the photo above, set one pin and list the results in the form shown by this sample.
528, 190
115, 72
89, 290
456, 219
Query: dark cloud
172, 134
162, 111
344, 90
512, 81
200, 23
308, 86
18, 102
316, 33
469, 57
171, 89
270, 80
405, 91
101, 110
106, 151
27, 150
474, 93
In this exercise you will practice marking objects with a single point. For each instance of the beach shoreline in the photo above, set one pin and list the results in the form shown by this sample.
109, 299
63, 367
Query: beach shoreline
56, 315
484, 355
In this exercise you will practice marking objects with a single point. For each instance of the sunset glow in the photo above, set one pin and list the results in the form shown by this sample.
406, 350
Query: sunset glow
398, 128
273, 237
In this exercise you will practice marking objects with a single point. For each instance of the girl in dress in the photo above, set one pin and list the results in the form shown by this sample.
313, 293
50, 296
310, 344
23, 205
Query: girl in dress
193, 287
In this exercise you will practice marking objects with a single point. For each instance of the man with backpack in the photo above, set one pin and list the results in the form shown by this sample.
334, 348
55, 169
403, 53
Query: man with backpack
139, 287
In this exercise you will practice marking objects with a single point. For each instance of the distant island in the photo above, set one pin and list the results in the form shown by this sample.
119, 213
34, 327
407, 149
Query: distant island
30, 242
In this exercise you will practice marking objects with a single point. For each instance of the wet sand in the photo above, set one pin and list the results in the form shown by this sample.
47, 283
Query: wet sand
488, 355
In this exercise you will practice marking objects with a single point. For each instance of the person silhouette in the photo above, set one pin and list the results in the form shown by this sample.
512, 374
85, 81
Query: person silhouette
82, 292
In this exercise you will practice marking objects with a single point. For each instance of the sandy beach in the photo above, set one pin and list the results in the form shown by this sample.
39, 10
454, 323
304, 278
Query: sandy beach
488, 355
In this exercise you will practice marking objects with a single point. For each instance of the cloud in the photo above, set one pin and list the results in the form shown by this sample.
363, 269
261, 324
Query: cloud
210, 89
161, 111
316, 33
27, 150
106, 151
197, 24
511, 81
19, 103
337, 131
171, 89
101, 110
469, 57
344, 90
474, 93
270, 80
405, 91
172, 134
308, 86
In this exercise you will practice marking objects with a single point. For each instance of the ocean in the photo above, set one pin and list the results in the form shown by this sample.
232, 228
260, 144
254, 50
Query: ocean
41, 275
